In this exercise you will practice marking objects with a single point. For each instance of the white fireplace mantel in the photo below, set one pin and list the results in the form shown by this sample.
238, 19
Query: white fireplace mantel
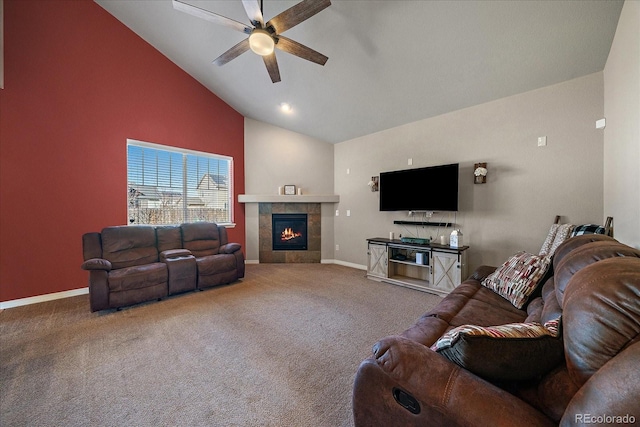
275, 198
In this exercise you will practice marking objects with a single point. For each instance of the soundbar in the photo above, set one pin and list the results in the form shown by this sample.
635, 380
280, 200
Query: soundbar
428, 223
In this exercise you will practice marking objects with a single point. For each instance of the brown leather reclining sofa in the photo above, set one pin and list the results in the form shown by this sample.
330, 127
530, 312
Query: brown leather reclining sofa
132, 264
595, 287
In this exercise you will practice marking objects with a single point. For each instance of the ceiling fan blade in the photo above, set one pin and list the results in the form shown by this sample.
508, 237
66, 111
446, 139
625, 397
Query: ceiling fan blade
211, 17
296, 14
232, 53
272, 67
300, 50
253, 12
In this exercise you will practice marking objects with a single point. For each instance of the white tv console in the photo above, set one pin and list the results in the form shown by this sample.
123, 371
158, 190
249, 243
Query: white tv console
427, 267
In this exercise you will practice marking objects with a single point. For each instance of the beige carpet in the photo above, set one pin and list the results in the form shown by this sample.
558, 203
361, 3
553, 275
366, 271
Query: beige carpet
279, 348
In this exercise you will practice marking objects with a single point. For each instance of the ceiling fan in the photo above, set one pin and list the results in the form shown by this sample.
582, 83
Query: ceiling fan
264, 37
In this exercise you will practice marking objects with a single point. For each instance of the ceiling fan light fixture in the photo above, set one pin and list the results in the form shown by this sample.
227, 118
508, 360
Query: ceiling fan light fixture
261, 42
264, 37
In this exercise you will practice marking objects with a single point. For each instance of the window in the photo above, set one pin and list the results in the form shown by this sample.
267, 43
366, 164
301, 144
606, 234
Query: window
167, 185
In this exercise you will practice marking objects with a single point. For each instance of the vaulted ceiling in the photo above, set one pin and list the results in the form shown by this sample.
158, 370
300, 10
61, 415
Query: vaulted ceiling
390, 62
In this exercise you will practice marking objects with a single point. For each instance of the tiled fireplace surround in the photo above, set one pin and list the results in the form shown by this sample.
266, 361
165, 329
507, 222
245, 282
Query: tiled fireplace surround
313, 252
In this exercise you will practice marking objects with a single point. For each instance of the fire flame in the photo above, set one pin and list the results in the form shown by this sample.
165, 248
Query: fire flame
289, 234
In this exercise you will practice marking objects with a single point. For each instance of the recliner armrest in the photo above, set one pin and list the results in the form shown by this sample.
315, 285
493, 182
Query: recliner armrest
97, 264
445, 393
174, 253
230, 248
482, 272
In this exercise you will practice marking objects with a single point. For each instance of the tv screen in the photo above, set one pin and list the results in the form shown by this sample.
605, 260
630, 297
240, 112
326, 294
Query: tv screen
432, 188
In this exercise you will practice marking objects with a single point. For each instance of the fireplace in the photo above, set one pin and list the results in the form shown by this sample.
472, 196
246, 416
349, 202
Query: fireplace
289, 231
288, 254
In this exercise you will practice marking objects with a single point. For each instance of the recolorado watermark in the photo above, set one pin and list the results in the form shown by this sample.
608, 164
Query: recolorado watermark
604, 419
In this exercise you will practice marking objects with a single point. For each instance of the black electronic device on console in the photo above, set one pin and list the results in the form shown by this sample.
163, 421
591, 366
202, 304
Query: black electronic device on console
417, 240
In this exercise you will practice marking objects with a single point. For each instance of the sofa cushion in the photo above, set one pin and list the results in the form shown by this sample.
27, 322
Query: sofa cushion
518, 277
169, 237
585, 255
201, 238
485, 308
216, 264
138, 277
515, 351
575, 242
470, 302
126, 246
612, 390
601, 314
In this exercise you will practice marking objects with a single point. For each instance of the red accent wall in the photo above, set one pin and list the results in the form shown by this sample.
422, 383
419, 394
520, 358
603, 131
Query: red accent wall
78, 83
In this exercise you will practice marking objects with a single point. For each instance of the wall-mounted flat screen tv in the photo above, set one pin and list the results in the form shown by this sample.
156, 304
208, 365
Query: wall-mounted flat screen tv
432, 188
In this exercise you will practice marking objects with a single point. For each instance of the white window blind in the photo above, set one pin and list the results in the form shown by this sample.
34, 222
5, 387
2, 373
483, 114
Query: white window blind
167, 185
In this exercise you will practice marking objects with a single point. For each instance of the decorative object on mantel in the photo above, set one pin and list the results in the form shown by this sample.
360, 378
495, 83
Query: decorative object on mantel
480, 173
275, 198
289, 190
373, 184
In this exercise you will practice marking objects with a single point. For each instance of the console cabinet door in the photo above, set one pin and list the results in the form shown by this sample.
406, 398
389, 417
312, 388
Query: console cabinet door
447, 270
377, 263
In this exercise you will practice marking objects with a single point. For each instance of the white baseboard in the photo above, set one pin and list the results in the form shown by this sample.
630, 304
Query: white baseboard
322, 261
344, 263
43, 298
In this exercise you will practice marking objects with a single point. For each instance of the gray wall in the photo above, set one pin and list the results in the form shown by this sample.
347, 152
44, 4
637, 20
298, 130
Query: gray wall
275, 157
622, 134
526, 186
573, 176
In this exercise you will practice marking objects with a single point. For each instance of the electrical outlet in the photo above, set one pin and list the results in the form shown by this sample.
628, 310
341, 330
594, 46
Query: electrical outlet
348, 212
337, 247
410, 162
337, 212
542, 141
348, 171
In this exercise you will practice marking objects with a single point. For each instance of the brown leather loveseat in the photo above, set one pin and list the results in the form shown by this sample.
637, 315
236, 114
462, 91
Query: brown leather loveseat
588, 374
132, 264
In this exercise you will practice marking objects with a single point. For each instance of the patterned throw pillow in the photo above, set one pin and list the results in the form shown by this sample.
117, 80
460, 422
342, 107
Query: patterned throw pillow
588, 229
546, 246
518, 277
557, 235
516, 351
510, 330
